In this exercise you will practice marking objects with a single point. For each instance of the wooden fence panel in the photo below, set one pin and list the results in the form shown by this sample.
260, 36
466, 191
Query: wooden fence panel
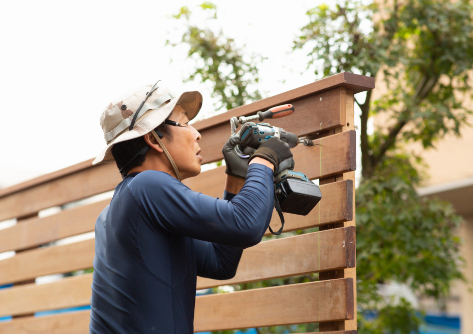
312, 302
69, 323
333, 249
69, 292
324, 110
288, 257
68, 188
39, 231
47, 260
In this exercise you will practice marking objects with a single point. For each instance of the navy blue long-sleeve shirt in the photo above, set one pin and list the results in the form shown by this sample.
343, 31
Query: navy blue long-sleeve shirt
157, 236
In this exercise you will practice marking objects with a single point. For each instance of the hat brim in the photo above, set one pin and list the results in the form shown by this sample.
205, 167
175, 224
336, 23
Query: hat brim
151, 119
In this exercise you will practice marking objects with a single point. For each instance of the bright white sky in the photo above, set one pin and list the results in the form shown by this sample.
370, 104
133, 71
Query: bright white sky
62, 62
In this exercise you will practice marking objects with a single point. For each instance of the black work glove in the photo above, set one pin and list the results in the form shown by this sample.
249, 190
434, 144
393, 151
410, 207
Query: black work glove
236, 166
274, 150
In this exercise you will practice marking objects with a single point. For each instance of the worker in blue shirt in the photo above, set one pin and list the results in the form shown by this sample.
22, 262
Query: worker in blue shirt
157, 235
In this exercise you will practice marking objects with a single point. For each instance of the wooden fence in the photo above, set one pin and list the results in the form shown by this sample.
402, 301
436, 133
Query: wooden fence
324, 111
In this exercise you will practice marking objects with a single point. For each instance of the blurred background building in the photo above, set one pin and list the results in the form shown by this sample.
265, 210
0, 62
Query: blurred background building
451, 179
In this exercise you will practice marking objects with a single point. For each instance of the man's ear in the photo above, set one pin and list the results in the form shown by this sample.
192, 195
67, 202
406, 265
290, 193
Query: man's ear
151, 141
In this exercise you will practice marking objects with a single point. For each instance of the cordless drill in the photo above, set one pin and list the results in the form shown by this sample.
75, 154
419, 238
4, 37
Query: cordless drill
294, 192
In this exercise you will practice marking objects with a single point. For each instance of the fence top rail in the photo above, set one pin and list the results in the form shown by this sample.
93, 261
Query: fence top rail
353, 82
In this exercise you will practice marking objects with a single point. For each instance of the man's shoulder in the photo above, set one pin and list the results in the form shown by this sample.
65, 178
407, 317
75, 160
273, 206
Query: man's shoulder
151, 180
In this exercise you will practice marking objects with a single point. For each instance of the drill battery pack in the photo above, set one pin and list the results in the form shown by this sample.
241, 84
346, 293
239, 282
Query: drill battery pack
296, 193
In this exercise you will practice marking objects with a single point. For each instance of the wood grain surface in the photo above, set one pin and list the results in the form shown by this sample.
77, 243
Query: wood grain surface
68, 292
68, 323
332, 155
39, 231
71, 187
47, 260
311, 302
283, 305
290, 257
271, 259
312, 114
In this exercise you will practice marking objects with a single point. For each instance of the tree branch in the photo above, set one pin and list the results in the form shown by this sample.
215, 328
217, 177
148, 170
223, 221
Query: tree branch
390, 139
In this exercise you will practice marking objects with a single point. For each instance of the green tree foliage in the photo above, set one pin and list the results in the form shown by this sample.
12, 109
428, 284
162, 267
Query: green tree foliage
231, 72
421, 51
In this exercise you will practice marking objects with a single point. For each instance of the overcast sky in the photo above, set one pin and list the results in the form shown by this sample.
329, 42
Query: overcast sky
62, 62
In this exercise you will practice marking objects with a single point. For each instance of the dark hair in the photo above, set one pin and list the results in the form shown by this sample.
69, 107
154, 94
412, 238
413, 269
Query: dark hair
124, 151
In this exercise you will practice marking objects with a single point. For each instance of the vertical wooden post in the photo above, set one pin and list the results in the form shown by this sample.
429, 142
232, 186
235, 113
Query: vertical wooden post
347, 107
30, 281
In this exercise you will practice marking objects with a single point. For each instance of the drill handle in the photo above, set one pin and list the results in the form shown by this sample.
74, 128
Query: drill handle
276, 112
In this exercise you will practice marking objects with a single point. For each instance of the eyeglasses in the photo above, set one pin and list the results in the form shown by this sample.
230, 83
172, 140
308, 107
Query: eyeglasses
169, 122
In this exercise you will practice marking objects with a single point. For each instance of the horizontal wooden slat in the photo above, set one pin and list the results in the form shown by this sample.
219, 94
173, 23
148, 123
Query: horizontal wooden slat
46, 261
303, 254
69, 323
46, 178
353, 82
336, 154
332, 155
312, 114
336, 206
310, 302
39, 231
30, 298
270, 259
283, 305
68, 188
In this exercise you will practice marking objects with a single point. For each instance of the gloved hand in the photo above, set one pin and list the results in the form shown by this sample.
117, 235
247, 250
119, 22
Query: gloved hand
274, 150
236, 166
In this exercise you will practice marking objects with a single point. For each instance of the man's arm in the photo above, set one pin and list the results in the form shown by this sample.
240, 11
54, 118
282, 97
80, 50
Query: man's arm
218, 261
241, 222
234, 184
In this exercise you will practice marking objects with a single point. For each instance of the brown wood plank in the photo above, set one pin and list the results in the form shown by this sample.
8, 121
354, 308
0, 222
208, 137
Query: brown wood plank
39, 231
345, 273
353, 82
311, 302
46, 177
325, 301
335, 206
271, 259
297, 255
47, 260
332, 155
69, 292
312, 114
69, 323
283, 305
68, 188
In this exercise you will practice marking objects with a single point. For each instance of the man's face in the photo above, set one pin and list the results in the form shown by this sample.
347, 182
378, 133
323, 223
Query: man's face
183, 146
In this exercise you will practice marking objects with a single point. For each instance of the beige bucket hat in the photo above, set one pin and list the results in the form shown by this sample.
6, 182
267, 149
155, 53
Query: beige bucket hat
121, 113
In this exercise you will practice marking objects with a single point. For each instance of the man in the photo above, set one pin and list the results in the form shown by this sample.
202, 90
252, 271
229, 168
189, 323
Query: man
157, 235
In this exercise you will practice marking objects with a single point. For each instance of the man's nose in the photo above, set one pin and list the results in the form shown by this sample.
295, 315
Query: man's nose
195, 133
